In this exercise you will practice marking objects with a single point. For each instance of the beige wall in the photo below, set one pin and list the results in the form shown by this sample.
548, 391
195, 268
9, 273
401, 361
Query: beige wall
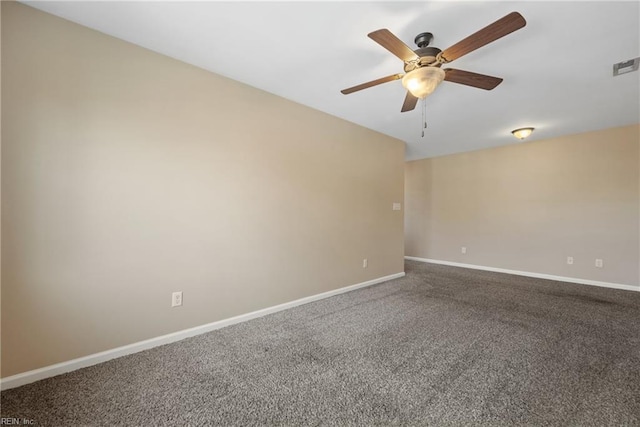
127, 175
531, 205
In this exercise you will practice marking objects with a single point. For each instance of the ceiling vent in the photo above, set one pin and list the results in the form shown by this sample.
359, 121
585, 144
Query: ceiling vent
625, 67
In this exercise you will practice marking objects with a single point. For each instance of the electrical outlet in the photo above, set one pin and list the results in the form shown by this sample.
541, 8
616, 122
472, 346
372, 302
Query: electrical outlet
176, 299
599, 263
365, 263
570, 260
463, 250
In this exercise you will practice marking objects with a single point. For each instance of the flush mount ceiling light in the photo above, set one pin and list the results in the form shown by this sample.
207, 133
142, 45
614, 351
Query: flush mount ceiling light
421, 82
522, 133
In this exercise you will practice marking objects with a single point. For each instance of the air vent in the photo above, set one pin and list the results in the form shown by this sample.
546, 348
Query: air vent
625, 67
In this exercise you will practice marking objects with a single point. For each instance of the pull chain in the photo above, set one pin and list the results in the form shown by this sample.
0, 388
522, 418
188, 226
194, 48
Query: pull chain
424, 115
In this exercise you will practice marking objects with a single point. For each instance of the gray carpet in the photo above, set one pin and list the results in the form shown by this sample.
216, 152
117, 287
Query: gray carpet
442, 346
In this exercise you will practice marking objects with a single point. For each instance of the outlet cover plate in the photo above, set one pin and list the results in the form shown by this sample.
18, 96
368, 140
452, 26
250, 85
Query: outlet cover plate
176, 299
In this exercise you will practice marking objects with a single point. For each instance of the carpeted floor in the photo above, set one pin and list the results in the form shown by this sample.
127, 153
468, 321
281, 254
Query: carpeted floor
441, 346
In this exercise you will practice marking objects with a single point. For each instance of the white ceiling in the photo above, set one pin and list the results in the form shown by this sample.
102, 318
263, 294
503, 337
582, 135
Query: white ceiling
557, 70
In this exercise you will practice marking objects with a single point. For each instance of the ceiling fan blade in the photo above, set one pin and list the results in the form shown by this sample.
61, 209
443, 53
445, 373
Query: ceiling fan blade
371, 83
410, 102
387, 40
503, 26
468, 78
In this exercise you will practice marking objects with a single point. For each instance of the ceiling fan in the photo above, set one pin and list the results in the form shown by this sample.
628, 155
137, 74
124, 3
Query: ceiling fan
422, 66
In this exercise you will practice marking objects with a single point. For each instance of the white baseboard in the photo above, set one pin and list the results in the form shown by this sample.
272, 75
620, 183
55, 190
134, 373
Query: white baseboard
93, 359
530, 274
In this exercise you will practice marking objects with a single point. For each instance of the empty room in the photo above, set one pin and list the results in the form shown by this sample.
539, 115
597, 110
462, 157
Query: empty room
320, 213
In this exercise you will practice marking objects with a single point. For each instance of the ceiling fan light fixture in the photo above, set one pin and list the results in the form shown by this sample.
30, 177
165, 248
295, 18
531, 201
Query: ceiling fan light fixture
421, 82
522, 133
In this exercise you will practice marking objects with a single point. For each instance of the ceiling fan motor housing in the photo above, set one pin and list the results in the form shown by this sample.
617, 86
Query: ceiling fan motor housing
426, 54
427, 57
